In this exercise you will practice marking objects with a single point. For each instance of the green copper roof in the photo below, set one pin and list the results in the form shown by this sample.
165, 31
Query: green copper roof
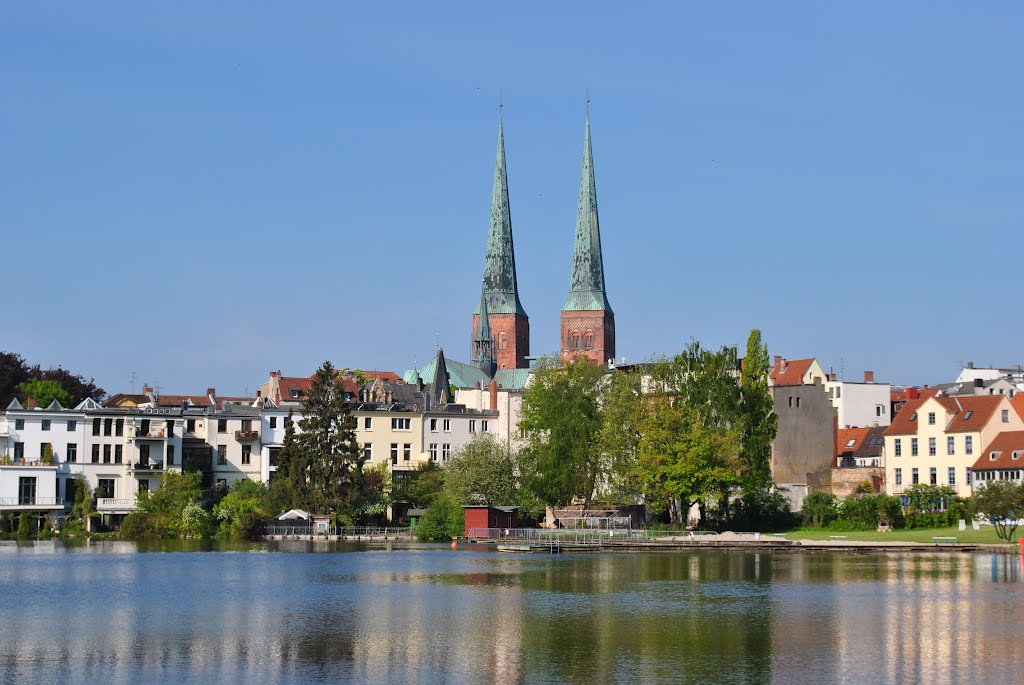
500, 265
586, 290
483, 323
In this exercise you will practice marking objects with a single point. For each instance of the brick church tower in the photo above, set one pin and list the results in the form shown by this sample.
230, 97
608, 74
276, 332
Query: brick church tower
588, 323
509, 325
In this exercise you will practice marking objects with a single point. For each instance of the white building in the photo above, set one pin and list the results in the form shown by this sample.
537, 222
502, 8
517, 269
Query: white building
860, 403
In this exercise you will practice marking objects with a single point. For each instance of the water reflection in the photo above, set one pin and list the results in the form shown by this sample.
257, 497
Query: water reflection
423, 614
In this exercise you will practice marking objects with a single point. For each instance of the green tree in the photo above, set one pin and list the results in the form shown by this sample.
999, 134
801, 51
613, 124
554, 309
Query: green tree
162, 512
376, 495
322, 462
561, 418
820, 509
483, 471
241, 512
45, 392
758, 419
443, 521
619, 438
1002, 502
681, 460
426, 484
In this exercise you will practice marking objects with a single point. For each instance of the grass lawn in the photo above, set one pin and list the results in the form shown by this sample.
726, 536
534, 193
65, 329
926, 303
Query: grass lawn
987, 534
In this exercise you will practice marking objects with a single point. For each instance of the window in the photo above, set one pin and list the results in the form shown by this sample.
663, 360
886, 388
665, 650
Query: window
899, 476
952, 476
72, 452
968, 445
144, 455
406, 452
401, 424
913, 447
931, 447
913, 417
839, 392
913, 476
170, 455
72, 425
931, 418
394, 453
246, 425
44, 449
119, 453
222, 425
69, 490
46, 423
95, 454
798, 403
433, 451
967, 476
119, 427
791, 401
19, 424
190, 425
95, 426
108, 426
445, 451
143, 428
105, 487
246, 454
447, 426
950, 445
968, 414
273, 422
368, 423
1006, 417
851, 442
222, 455
472, 425
223, 482
143, 486
368, 451
933, 477
483, 425
170, 428
433, 425
502, 343
19, 451
898, 446
106, 454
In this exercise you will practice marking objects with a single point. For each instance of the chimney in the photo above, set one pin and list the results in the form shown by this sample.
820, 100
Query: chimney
211, 392
970, 365
146, 389
275, 374
869, 376
782, 364
776, 360
494, 395
32, 404
832, 376
912, 393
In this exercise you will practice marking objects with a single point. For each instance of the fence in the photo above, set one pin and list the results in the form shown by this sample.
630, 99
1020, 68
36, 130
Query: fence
335, 531
568, 535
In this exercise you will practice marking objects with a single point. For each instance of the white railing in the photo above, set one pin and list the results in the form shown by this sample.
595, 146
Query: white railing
31, 501
109, 503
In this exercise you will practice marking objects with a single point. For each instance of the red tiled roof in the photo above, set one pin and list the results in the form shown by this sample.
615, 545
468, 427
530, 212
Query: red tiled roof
1004, 444
176, 400
845, 435
1018, 403
970, 413
299, 383
386, 376
792, 374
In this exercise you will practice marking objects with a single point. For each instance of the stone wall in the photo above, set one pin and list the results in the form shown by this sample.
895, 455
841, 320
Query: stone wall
846, 480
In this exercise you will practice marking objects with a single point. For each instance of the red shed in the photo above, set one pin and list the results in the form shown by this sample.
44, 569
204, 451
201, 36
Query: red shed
484, 516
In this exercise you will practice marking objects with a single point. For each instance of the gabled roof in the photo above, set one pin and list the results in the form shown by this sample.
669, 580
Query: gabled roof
969, 413
860, 443
1003, 447
14, 405
790, 371
124, 399
1018, 403
54, 406
177, 400
440, 391
87, 403
386, 376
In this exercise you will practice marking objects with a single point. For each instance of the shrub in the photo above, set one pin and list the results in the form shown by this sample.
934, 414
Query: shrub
442, 521
819, 509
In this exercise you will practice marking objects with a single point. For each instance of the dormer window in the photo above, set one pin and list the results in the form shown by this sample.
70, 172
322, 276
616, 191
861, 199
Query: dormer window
913, 417
295, 393
992, 456
968, 414
851, 443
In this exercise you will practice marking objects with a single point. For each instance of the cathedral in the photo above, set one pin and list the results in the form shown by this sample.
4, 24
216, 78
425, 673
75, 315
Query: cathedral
501, 328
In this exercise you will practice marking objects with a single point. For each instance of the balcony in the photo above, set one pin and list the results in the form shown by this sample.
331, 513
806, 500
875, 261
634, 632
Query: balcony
146, 466
247, 436
110, 505
139, 435
21, 463
30, 502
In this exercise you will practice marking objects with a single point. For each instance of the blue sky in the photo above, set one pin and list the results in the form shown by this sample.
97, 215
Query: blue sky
203, 192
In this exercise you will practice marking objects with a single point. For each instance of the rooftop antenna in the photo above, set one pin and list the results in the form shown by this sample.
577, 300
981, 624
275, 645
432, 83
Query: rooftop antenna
842, 369
131, 379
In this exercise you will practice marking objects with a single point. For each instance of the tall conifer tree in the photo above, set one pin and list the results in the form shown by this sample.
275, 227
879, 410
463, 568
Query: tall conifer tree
760, 423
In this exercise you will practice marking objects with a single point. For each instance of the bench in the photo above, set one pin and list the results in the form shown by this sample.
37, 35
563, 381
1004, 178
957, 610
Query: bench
839, 538
941, 540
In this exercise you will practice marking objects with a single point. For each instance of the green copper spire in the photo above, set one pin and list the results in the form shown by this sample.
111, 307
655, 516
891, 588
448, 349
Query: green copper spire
483, 343
500, 265
586, 290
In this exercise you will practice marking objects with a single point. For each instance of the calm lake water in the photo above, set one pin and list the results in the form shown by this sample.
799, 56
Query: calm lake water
113, 612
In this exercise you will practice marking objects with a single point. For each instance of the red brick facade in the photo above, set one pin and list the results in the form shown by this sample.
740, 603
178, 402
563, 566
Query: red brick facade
591, 333
511, 335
